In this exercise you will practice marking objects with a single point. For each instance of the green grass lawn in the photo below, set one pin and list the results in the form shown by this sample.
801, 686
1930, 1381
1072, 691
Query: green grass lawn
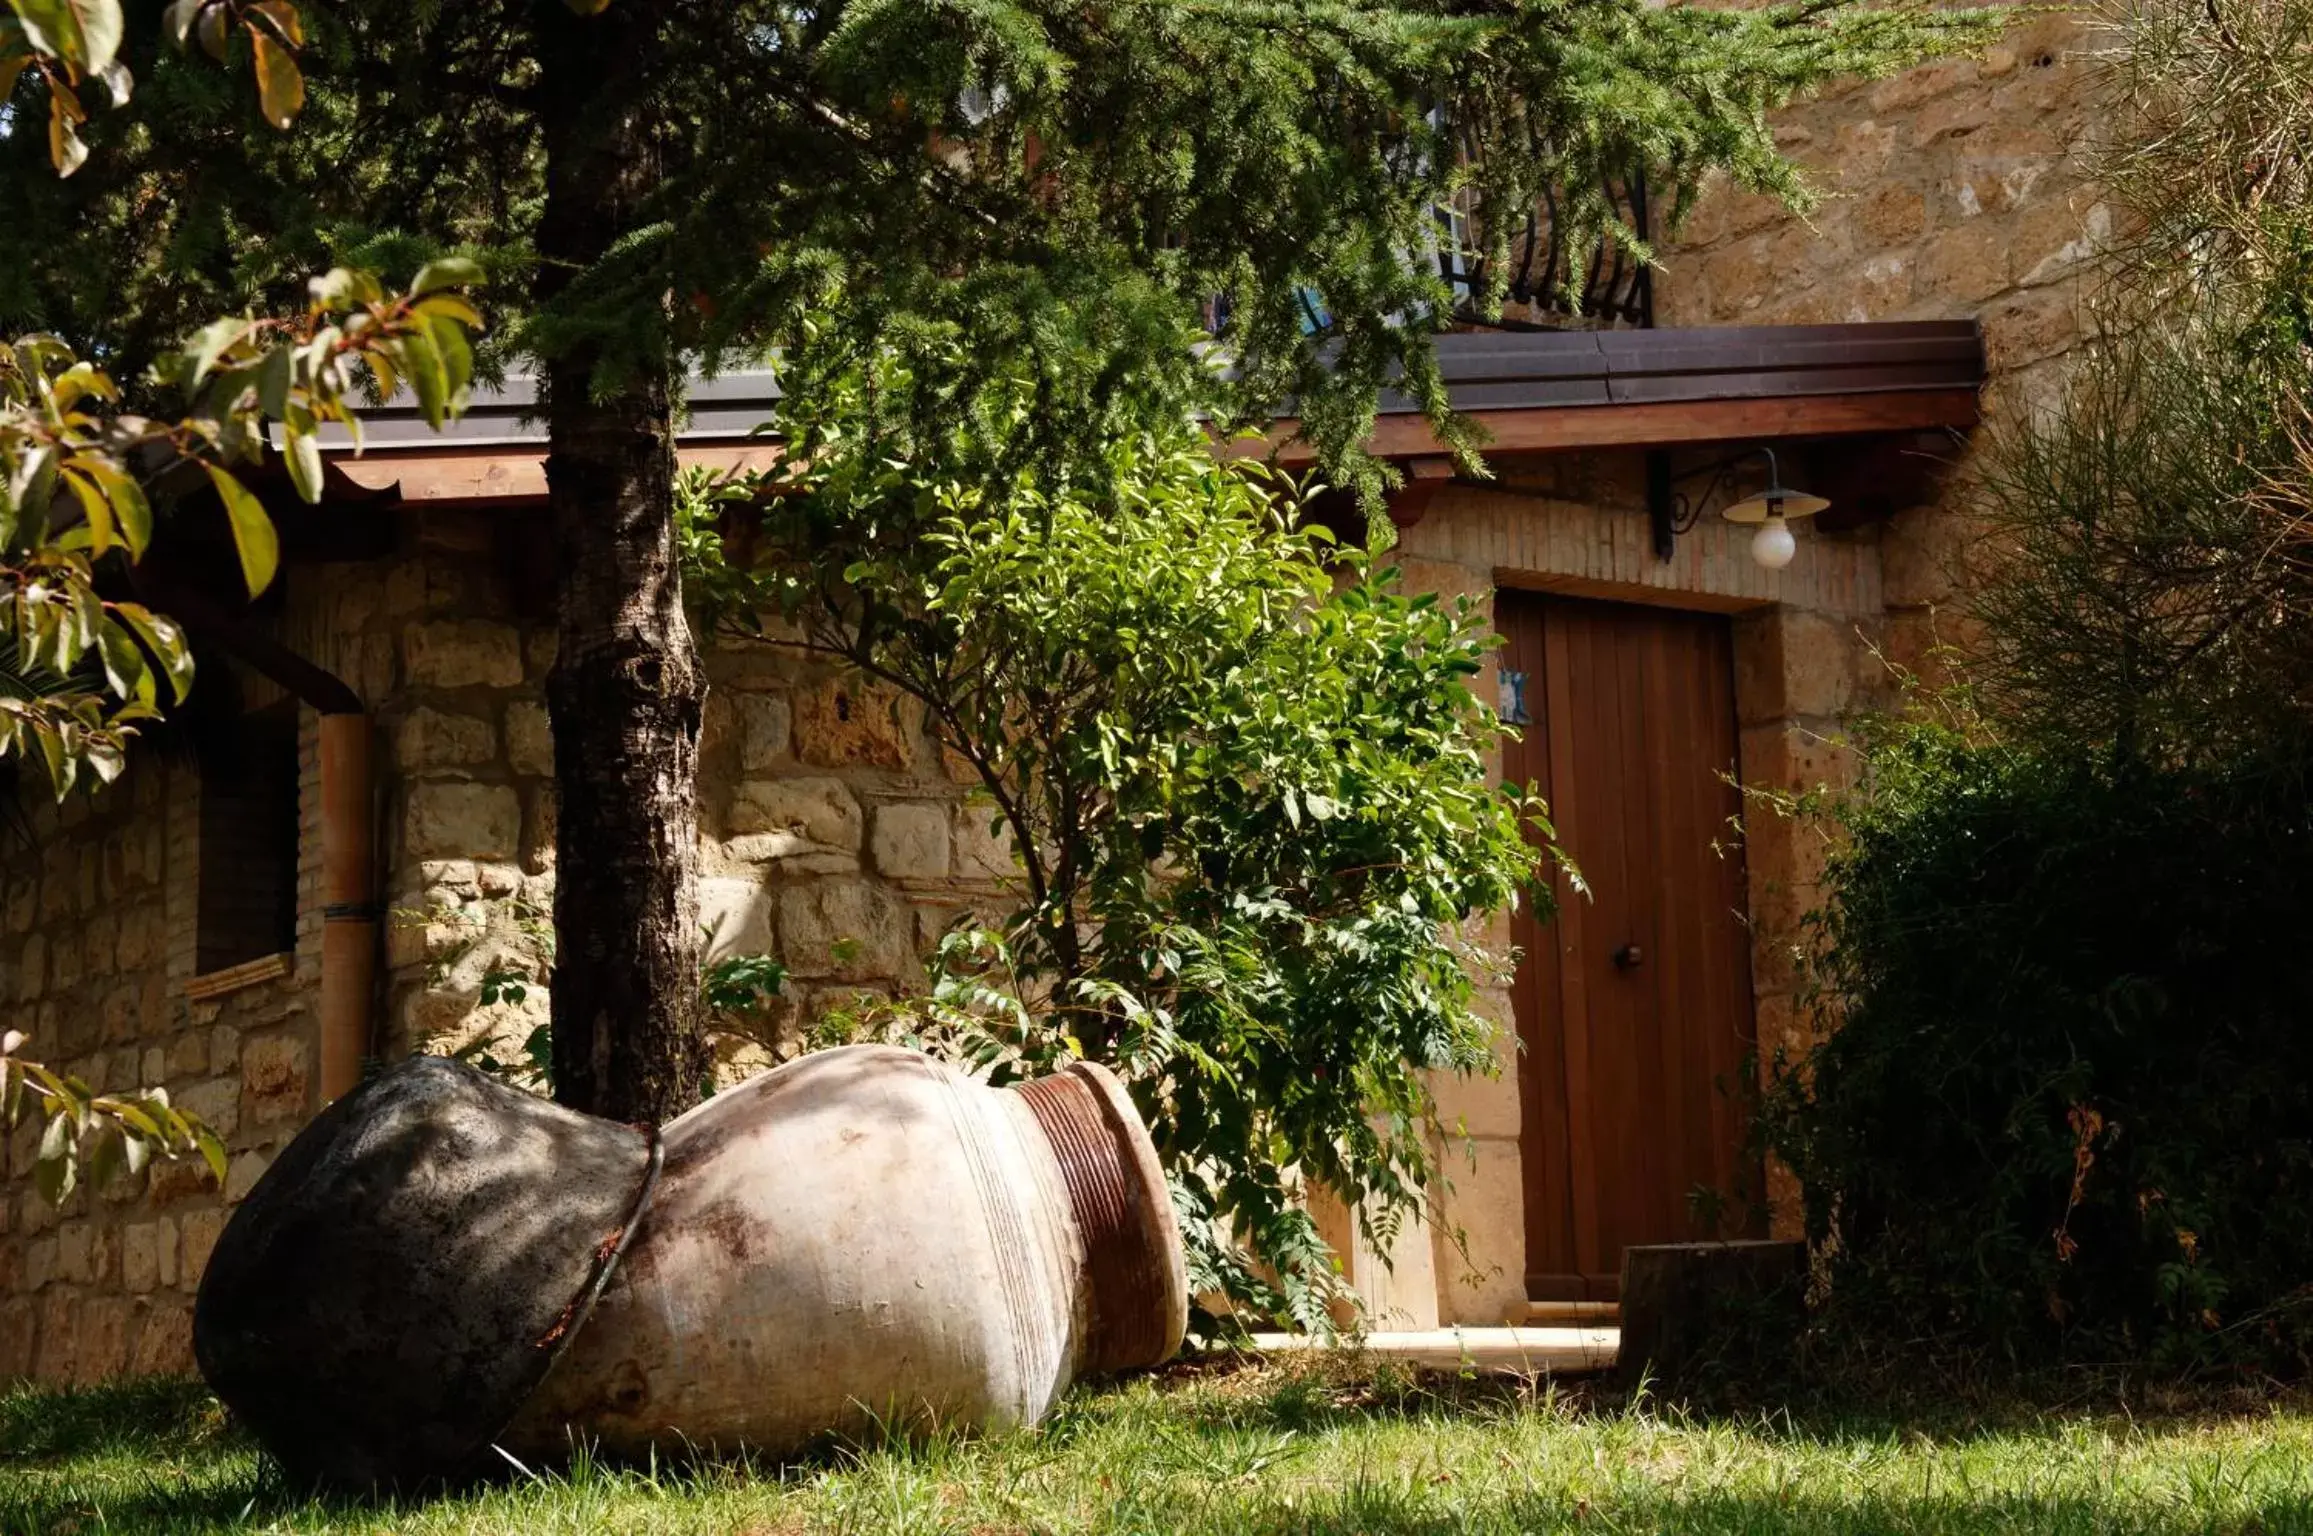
1325, 1447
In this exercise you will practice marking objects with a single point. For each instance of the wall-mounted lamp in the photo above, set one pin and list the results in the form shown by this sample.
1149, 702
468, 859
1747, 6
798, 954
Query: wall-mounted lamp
1673, 513
1772, 509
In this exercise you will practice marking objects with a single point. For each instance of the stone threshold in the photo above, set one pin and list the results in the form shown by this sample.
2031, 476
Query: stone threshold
1493, 1351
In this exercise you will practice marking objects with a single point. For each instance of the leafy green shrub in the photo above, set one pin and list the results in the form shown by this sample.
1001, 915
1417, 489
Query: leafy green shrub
2066, 1110
1242, 773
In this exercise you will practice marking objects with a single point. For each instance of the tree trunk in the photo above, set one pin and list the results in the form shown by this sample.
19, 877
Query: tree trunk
626, 690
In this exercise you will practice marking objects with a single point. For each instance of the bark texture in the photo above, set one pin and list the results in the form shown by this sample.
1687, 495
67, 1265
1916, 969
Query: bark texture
626, 691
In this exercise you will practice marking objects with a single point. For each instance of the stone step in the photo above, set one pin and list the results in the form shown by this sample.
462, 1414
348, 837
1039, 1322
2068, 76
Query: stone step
1513, 1351
1566, 1314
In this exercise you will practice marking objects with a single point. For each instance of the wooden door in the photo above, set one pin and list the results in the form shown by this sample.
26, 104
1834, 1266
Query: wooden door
1634, 1004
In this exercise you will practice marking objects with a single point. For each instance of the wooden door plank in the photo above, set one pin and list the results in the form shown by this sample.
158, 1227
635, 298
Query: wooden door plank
1541, 1066
1574, 920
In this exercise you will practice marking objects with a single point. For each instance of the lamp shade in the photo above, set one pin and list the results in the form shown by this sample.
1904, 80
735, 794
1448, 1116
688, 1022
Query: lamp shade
1757, 509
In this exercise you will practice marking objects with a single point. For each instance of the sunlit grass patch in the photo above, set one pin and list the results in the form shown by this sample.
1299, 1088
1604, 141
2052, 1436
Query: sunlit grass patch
1319, 1446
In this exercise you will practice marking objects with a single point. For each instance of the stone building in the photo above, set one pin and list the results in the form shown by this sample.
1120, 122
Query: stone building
176, 929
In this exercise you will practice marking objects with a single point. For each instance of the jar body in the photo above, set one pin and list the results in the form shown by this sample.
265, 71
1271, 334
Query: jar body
864, 1240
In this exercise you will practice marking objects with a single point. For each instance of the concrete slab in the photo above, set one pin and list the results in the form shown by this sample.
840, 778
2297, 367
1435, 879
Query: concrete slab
1520, 1351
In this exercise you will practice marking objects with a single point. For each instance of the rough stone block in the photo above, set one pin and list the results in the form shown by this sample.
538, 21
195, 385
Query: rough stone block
57, 1339
462, 653
455, 820
102, 1351
140, 1257
737, 917
1791, 662
982, 854
164, 1344
217, 1101
244, 1173
274, 1079
187, 1055
1479, 1106
201, 1230
19, 1329
849, 930
820, 813
433, 738
850, 724
39, 1264
1487, 1206
909, 840
540, 827
529, 739
764, 729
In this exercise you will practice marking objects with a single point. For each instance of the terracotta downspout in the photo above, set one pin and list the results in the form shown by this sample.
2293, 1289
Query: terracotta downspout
350, 910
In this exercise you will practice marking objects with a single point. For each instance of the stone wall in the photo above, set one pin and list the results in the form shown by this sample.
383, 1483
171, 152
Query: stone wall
1953, 190
832, 836
96, 962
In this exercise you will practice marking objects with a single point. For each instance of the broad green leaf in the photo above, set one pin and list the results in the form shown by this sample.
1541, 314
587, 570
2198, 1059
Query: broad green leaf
274, 377
164, 639
104, 1157
280, 85
304, 455
125, 671
12, 67
129, 506
253, 535
210, 343
53, 28
422, 365
447, 272
54, 1170
94, 505
211, 1149
457, 359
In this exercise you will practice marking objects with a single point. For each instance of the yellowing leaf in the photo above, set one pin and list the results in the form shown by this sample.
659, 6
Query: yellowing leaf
253, 534
65, 150
280, 87
284, 20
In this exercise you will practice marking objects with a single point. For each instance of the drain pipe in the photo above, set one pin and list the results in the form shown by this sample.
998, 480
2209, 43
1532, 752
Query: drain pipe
350, 911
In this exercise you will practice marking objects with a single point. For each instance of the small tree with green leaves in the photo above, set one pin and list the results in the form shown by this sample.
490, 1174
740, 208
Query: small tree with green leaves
1244, 777
672, 186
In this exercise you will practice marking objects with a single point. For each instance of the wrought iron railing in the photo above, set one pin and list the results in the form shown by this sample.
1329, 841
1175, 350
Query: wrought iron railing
1611, 287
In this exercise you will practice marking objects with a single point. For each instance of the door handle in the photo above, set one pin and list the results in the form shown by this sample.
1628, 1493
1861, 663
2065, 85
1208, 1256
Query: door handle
1628, 957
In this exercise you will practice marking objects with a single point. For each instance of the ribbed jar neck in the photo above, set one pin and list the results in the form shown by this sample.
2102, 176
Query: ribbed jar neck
1135, 1276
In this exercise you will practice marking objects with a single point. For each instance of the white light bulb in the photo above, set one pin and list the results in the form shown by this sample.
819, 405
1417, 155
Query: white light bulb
1772, 546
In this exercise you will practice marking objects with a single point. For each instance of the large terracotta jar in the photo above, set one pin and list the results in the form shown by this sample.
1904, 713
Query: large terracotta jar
866, 1237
